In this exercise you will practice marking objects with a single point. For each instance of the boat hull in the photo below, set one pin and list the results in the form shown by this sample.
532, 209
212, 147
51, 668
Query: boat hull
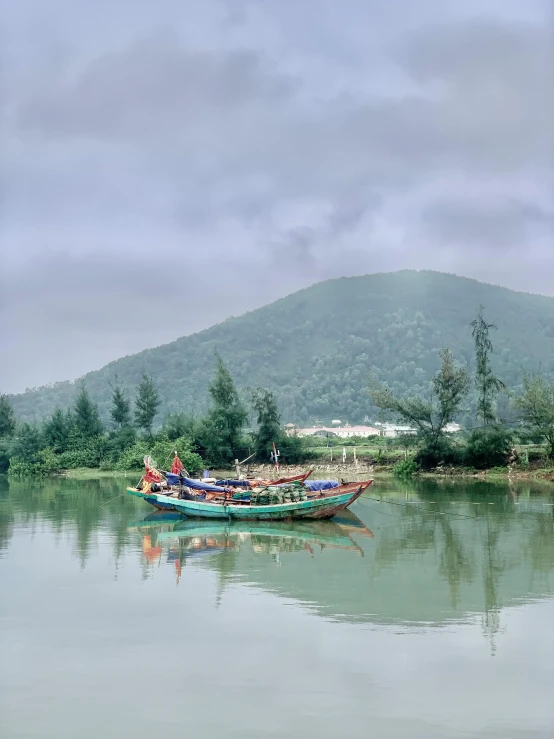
319, 507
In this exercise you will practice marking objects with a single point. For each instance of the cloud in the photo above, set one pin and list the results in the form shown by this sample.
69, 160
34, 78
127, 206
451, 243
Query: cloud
269, 144
501, 225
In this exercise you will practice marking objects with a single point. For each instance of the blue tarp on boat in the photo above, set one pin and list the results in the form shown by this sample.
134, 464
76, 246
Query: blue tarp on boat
315, 485
233, 483
193, 484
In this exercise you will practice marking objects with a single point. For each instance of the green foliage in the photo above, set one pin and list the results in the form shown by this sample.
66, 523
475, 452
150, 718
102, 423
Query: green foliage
176, 425
146, 404
21, 468
536, 403
85, 415
488, 447
84, 452
450, 386
406, 468
293, 450
161, 452
121, 408
487, 384
225, 420
268, 422
56, 431
6, 446
434, 452
27, 443
316, 348
7, 417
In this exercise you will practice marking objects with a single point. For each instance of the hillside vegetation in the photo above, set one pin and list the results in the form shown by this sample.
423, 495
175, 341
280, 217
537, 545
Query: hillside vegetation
318, 348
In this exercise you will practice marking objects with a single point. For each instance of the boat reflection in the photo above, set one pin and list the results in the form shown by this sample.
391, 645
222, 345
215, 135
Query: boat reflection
187, 538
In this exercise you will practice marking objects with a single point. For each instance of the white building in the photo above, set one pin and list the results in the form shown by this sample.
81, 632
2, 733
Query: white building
392, 430
344, 432
452, 428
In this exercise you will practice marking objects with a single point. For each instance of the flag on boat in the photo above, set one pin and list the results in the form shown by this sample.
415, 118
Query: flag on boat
151, 474
177, 465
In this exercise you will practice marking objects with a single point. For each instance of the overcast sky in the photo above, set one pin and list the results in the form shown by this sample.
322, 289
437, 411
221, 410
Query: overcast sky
167, 164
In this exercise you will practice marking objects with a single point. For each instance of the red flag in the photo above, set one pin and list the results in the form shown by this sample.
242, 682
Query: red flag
177, 465
151, 475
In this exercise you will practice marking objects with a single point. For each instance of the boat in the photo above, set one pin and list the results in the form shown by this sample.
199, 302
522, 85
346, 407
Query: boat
323, 504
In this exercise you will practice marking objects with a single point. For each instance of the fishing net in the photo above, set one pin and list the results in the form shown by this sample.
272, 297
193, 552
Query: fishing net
274, 495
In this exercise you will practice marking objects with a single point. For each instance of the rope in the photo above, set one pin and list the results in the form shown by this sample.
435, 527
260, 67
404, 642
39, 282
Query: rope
412, 506
119, 495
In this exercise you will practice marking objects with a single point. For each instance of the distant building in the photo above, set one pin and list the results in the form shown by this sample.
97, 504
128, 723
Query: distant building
392, 430
344, 432
452, 428
336, 422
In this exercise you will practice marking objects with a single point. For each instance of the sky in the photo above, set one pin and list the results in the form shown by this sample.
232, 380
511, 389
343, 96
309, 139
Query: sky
166, 165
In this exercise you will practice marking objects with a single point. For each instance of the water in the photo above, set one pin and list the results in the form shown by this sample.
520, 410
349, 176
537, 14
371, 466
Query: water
427, 614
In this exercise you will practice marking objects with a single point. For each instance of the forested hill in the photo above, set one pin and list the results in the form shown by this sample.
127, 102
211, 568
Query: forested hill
318, 347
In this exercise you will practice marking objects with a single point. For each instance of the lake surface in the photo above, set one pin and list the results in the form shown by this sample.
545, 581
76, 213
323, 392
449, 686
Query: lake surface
428, 613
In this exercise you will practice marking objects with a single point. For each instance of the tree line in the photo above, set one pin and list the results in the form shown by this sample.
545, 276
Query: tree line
77, 437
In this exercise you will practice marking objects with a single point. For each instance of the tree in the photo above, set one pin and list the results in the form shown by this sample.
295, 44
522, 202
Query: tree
268, 419
28, 443
7, 417
225, 419
536, 404
121, 407
487, 384
146, 404
56, 431
86, 417
450, 385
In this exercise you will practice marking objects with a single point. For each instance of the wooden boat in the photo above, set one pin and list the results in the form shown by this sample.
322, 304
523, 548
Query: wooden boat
325, 504
281, 481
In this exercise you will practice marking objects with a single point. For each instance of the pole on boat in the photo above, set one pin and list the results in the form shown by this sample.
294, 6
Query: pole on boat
276, 455
238, 464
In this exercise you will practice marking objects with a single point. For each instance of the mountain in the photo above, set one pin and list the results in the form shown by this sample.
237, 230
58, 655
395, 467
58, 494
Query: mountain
318, 347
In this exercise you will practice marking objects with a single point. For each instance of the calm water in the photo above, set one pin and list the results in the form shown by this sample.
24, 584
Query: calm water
430, 613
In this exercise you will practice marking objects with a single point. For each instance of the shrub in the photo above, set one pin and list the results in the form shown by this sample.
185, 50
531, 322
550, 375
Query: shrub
20, 468
488, 447
406, 468
440, 451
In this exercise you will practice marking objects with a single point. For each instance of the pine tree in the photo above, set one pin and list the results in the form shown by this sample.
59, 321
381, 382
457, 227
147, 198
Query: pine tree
86, 417
146, 404
121, 408
7, 417
268, 419
225, 419
487, 384
56, 431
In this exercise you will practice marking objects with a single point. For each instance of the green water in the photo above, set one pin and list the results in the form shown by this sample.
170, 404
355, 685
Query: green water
429, 613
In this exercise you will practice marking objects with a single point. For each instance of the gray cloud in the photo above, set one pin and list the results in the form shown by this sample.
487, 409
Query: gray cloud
498, 224
273, 144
